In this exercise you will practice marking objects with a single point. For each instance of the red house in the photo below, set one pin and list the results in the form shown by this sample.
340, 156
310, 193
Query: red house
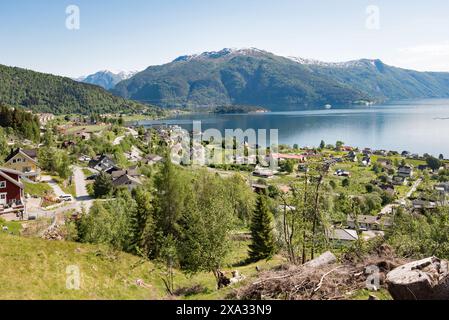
11, 192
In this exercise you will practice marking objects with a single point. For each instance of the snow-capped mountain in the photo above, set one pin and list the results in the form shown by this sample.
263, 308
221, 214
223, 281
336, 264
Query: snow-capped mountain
221, 54
107, 79
260, 78
346, 64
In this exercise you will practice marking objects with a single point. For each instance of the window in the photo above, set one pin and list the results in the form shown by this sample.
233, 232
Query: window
2, 184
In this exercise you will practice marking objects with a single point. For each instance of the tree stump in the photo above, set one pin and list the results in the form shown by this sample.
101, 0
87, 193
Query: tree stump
426, 279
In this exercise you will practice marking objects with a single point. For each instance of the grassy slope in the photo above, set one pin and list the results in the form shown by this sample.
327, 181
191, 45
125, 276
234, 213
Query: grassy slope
37, 189
36, 269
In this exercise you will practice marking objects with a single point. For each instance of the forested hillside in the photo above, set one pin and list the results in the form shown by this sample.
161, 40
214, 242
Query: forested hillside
59, 95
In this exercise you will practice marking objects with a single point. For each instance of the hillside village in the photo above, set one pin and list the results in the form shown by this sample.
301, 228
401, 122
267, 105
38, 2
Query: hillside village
51, 186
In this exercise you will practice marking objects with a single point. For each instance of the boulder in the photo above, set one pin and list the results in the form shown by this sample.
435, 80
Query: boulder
426, 279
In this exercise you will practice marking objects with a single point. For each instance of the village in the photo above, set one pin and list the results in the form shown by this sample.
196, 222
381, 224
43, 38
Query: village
388, 180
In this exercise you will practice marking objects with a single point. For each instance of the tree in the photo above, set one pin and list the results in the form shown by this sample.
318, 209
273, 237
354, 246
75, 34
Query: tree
109, 223
241, 197
302, 220
55, 160
369, 187
433, 163
141, 219
206, 228
288, 166
3, 145
174, 196
103, 185
262, 239
339, 144
322, 144
441, 156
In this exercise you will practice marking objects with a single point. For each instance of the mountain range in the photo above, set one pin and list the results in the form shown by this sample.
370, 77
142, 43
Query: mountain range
106, 79
244, 77
256, 77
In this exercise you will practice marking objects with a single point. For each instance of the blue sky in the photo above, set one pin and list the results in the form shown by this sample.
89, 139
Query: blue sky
133, 34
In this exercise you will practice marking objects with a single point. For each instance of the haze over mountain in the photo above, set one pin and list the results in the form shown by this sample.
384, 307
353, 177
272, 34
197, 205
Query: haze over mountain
256, 77
106, 79
42, 92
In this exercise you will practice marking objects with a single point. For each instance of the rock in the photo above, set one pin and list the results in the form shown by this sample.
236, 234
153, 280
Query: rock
236, 277
323, 260
372, 297
426, 279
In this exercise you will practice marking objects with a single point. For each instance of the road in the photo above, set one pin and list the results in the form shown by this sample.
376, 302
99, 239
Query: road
117, 140
52, 183
389, 208
413, 189
83, 200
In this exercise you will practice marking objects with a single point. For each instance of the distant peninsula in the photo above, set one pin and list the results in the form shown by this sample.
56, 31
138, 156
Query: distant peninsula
233, 109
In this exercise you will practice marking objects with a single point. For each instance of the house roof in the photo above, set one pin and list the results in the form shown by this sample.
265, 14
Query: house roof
10, 179
125, 179
343, 234
371, 220
29, 153
288, 156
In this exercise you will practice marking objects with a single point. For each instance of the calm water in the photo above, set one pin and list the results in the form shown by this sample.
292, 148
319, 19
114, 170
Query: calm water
417, 126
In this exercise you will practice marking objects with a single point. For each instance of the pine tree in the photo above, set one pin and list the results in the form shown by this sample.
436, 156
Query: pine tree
103, 185
263, 245
141, 219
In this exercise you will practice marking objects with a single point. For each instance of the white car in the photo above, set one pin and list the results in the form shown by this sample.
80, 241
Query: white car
66, 197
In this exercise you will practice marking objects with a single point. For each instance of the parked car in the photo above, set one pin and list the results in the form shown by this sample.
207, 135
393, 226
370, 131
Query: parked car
66, 197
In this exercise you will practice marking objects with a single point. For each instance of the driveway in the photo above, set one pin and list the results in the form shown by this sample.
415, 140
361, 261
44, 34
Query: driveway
389, 208
83, 199
52, 183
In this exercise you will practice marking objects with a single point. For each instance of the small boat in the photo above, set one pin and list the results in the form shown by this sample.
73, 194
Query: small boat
328, 106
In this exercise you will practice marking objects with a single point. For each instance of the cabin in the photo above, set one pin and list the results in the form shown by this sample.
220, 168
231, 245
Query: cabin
11, 192
366, 161
260, 188
352, 156
442, 187
388, 187
369, 223
283, 157
152, 159
367, 151
342, 237
263, 172
342, 173
405, 171
421, 204
126, 181
102, 163
399, 180
25, 162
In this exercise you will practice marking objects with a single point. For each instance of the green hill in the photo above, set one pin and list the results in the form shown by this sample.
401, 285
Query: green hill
36, 269
259, 78
33, 268
59, 95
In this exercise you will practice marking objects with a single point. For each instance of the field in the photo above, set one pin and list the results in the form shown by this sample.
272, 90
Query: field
87, 128
36, 269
